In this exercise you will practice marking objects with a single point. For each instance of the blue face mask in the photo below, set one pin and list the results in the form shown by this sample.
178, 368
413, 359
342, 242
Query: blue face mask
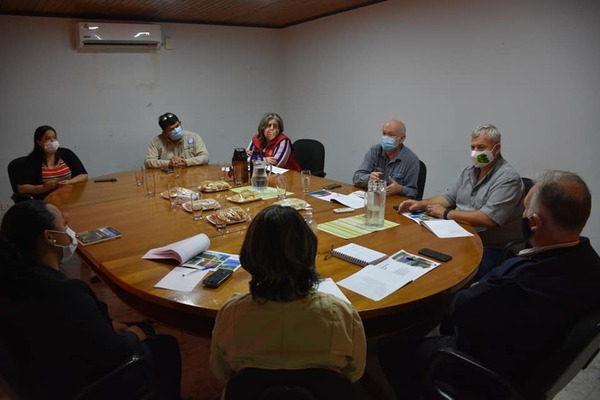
388, 144
176, 134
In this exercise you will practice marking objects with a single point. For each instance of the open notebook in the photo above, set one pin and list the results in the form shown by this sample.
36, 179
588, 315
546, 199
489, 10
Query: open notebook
358, 254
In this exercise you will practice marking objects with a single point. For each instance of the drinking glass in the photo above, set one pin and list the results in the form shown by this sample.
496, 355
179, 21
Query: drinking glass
150, 184
223, 168
173, 192
305, 180
177, 168
281, 184
196, 205
139, 175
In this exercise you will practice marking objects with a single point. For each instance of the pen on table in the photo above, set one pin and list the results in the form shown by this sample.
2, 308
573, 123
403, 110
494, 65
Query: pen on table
195, 270
106, 180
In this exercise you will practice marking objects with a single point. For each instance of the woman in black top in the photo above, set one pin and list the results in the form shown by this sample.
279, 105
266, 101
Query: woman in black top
56, 330
49, 166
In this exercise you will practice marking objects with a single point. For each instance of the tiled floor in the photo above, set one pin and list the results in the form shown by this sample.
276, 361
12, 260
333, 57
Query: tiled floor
199, 384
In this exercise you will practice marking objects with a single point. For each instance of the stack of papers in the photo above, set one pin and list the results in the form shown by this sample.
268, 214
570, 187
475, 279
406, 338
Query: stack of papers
349, 200
379, 281
442, 228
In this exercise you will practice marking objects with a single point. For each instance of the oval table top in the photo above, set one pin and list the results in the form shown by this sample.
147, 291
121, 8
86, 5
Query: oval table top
149, 222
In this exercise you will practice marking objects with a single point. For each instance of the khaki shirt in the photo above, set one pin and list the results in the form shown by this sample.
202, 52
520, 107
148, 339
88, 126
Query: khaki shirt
317, 331
190, 147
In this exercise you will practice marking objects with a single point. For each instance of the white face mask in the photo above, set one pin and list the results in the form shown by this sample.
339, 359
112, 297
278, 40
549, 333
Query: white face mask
482, 158
50, 147
68, 250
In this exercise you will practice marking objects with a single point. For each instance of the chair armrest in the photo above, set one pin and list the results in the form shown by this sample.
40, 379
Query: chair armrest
319, 173
132, 379
444, 388
17, 197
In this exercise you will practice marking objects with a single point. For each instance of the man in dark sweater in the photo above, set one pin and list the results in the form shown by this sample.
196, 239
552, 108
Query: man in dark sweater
522, 309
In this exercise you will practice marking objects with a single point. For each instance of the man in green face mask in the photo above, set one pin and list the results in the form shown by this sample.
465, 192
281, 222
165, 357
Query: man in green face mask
391, 161
487, 195
175, 146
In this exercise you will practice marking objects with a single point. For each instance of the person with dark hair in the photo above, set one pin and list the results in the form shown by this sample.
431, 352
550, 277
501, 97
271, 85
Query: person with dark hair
49, 166
271, 141
175, 146
284, 322
55, 328
521, 310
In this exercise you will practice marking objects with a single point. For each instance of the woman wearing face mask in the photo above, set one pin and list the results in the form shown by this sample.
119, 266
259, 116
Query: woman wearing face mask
273, 144
58, 333
49, 166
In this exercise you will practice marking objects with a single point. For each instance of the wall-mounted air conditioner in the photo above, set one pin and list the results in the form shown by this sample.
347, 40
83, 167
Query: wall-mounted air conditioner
118, 35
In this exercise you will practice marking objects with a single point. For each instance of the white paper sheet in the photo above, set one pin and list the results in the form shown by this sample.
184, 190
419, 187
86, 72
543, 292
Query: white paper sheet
327, 285
379, 281
181, 279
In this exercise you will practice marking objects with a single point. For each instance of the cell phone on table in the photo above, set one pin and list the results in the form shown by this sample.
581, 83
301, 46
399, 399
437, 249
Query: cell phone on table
168, 170
217, 278
436, 255
332, 186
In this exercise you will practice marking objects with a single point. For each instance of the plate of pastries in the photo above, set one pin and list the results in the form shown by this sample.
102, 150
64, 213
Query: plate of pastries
245, 196
214, 186
229, 216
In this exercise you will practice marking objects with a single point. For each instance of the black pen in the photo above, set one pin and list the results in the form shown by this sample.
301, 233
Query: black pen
106, 180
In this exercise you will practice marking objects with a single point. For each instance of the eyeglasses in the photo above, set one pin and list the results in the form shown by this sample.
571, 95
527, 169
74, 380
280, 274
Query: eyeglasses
326, 254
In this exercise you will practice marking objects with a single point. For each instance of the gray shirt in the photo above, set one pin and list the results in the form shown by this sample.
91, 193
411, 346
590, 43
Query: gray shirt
499, 195
403, 167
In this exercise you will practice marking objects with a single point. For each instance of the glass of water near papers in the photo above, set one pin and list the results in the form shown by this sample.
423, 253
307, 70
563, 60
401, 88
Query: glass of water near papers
305, 180
281, 184
196, 205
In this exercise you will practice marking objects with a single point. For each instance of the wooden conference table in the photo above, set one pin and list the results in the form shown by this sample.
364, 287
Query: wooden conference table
149, 222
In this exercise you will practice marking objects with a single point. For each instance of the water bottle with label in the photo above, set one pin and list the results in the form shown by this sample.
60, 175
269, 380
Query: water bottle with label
375, 203
259, 176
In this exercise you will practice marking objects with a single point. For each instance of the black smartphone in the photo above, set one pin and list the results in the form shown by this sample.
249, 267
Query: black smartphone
217, 278
396, 207
168, 170
332, 186
436, 255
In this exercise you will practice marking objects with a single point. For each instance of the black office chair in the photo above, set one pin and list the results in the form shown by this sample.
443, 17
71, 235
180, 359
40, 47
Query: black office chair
131, 380
282, 384
512, 247
577, 350
310, 154
15, 169
421, 180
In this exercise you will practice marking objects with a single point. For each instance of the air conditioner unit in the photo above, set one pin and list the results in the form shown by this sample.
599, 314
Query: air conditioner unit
118, 35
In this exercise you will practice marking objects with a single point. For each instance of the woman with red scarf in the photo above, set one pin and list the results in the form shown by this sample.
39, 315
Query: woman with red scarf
273, 144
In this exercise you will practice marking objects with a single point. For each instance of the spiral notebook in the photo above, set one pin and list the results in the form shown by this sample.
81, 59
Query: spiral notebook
358, 254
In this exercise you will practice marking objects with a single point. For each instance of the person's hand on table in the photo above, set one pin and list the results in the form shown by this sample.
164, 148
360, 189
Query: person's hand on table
409, 205
375, 175
271, 160
393, 188
436, 210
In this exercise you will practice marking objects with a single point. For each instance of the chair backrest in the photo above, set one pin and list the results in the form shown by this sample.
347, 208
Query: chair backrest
281, 384
579, 347
421, 180
15, 169
528, 183
577, 350
310, 154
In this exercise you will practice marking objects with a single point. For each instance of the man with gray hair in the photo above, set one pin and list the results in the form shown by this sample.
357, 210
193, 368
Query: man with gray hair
521, 311
487, 195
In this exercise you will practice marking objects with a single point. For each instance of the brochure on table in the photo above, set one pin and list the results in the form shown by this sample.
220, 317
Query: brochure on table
195, 259
351, 200
442, 228
379, 281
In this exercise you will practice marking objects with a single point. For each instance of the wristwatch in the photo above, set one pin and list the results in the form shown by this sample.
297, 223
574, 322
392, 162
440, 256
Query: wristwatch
446, 212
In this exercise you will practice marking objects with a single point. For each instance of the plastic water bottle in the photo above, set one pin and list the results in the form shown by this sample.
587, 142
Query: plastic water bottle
310, 221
